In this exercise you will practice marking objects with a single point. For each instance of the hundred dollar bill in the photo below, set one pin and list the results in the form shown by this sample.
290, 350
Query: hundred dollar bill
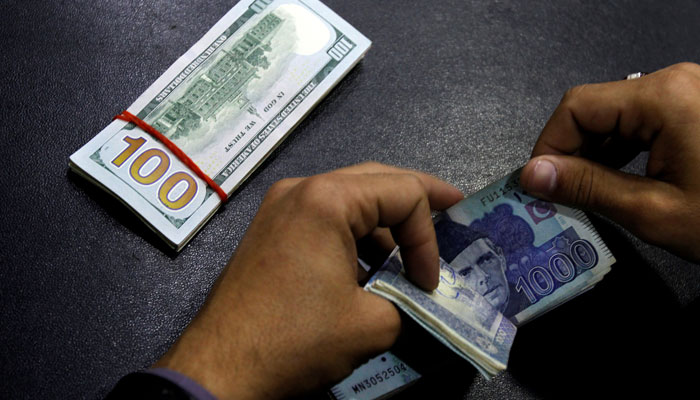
523, 256
227, 103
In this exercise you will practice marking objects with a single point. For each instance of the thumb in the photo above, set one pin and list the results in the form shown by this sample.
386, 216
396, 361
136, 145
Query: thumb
377, 322
640, 204
372, 326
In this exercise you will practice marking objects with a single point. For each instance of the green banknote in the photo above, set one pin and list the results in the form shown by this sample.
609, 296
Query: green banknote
227, 103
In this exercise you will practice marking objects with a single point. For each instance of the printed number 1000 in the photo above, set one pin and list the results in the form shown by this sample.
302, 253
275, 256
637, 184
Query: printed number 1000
562, 267
155, 173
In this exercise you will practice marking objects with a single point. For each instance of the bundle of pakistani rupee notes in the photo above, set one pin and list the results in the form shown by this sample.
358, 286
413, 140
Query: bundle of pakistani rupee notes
226, 103
505, 258
242, 88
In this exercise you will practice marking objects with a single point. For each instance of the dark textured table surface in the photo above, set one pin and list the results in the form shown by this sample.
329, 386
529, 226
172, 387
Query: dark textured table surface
458, 88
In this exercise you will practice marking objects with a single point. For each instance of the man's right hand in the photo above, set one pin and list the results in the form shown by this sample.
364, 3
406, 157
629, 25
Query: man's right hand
287, 315
598, 128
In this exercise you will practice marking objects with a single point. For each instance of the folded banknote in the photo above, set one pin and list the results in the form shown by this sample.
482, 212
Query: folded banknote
505, 258
227, 103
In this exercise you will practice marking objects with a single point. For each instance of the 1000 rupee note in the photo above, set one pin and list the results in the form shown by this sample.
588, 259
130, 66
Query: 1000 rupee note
227, 103
525, 255
507, 254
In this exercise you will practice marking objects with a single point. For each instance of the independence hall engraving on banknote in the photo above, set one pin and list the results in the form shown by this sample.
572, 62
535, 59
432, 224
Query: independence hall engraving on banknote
224, 83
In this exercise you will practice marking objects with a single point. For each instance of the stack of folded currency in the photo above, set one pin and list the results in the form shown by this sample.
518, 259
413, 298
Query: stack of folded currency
505, 258
226, 103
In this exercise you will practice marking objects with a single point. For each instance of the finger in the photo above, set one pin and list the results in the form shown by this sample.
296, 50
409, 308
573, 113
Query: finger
592, 112
398, 201
442, 195
637, 202
371, 167
632, 110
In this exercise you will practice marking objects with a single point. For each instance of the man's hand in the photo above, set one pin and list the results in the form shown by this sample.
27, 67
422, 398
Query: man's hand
600, 127
287, 314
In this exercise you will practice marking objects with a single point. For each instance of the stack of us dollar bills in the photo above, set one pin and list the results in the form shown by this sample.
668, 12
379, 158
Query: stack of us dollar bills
227, 103
505, 258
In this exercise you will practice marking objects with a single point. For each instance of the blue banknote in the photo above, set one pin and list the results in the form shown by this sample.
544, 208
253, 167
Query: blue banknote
456, 315
524, 255
505, 258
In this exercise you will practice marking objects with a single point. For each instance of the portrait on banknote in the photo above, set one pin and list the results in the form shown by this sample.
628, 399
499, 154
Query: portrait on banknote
514, 254
477, 260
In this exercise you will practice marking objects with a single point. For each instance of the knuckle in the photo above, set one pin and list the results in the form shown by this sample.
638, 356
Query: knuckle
321, 194
662, 209
581, 188
573, 98
656, 211
678, 81
372, 164
415, 188
689, 67
572, 94
415, 182
279, 189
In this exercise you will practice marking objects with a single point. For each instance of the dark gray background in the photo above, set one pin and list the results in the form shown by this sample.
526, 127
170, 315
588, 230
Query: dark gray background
457, 88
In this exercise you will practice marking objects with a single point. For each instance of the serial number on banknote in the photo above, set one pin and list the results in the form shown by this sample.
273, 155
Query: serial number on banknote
379, 377
500, 192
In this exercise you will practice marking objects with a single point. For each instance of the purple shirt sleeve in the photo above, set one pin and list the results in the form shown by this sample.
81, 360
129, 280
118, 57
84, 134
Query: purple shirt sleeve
187, 384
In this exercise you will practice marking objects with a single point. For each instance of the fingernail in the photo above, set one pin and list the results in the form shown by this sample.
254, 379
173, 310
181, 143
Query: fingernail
544, 178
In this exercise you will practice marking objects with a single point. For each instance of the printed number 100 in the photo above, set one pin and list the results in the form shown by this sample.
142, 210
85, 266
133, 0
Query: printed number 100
156, 173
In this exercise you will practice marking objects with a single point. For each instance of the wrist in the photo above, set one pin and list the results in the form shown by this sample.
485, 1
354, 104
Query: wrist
216, 363
158, 384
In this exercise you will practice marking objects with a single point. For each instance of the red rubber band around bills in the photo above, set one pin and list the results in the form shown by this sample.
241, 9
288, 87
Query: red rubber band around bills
129, 117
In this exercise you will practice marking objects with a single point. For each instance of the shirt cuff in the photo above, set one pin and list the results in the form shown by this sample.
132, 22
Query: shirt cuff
183, 381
